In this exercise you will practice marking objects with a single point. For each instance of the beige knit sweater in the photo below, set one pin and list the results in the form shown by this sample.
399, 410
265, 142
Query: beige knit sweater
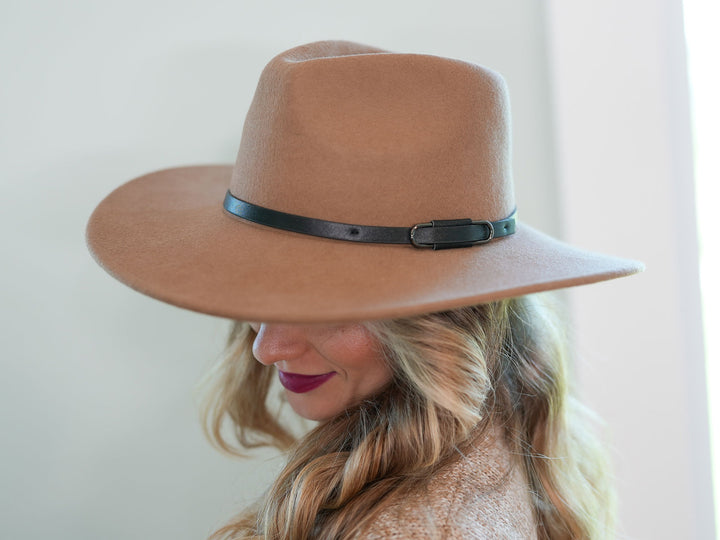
483, 495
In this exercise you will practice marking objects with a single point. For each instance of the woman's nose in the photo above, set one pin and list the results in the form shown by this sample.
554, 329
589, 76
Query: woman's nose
276, 342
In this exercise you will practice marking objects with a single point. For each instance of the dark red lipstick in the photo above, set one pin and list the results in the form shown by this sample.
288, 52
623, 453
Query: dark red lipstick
302, 383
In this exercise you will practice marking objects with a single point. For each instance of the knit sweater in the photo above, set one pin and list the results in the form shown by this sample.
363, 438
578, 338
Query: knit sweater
482, 495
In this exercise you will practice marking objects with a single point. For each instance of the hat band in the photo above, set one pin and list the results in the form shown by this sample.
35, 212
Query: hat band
435, 234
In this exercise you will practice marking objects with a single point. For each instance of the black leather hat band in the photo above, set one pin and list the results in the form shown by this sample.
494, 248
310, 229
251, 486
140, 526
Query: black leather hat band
436, 234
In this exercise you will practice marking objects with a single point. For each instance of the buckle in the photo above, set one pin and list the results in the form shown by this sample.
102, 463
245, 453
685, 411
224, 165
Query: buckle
452, 233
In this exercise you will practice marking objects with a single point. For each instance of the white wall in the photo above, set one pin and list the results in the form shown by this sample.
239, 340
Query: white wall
625, 163
99, 432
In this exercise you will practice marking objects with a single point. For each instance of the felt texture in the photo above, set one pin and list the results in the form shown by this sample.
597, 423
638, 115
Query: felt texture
483, 495
342, 132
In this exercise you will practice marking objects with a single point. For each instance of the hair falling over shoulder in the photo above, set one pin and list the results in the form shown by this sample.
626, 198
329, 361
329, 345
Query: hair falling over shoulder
456, 374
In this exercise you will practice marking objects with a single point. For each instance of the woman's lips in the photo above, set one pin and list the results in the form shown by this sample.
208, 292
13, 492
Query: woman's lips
302, 383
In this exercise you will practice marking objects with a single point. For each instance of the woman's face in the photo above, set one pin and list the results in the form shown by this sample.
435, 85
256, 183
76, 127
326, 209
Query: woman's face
324, 368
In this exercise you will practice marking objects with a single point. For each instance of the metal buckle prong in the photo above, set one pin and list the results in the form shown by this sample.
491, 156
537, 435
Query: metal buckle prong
412, 235
490, 227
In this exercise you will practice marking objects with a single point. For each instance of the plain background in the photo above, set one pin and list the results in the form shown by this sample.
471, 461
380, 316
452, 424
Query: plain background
100, 436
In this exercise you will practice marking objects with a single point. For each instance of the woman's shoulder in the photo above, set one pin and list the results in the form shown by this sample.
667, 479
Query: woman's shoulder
482, 494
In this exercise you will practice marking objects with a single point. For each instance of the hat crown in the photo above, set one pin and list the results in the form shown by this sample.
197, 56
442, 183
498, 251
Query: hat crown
346, 132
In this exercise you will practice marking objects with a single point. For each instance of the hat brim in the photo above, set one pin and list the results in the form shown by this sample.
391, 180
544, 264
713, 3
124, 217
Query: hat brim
167, 235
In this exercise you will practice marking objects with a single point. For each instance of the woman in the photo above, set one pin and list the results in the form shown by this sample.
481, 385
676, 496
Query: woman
369, 228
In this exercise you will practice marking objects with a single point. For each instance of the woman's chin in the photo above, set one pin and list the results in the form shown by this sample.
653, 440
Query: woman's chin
311, 409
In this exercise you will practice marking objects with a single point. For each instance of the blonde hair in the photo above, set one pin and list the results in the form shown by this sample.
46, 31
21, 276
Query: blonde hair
456, 374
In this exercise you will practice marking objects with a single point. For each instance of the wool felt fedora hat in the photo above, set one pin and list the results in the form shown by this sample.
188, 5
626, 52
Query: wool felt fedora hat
368, 185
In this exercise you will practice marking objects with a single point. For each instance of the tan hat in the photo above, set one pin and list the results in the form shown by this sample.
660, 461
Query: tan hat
368, 185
